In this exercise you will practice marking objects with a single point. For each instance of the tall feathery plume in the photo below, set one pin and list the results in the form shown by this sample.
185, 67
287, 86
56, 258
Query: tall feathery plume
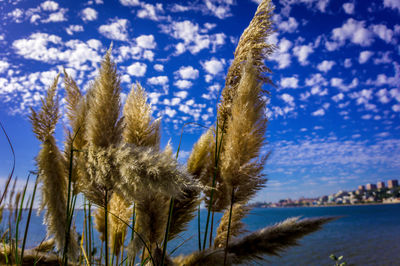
120, 216
77, 110
99, 223
151, 207
52, 171
238, 213
271, 240
252, 41
104, 129
240, 166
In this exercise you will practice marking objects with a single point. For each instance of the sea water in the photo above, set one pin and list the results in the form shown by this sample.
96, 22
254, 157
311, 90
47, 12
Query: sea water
364, 235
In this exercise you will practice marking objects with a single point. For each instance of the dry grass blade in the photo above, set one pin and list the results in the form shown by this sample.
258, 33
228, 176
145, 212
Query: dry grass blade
251, 42
238, 213
275, 239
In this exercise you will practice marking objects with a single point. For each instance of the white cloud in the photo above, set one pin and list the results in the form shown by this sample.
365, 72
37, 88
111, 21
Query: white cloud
282, 57
302, 52
170, 112
56, 17
364, 56
338, 83
384, 58
183, 84
394, 4
383, 79
319, 112
291, 82
194, 38
116, 30
213, 66
129, 2
348, 8
89, 14
287, 98
325, 65
187, 72
347, 63
289, 25
159, 67
160, 80
4, 65
137, 69
383, 32
49, 6
338, 97
383, 96
181, 94
146, 41
354, 31
73, 28
149, 11
219, 8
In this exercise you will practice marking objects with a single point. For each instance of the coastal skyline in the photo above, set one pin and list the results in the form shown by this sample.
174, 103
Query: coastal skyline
334, 113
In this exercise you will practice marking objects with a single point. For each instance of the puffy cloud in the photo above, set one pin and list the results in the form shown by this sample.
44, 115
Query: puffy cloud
146, 41
137, 69
347, 63
160, 80
181, 94
394, 4
116, 30
287, 98
73, 28
282, 56
302, 52
289, 25
338, 83
150, 11
89, 14
354, 31
325, 65
49, 6
183, 84
291, 82
213, 66
187, 72
129, 2
193, 36
383, 96
383, 32
338, 97
219, 8
159, 67
4, 65
56, 17
348, 8
319, 112
364, 56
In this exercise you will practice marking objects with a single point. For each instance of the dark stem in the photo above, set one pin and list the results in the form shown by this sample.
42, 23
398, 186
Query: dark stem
106, 225
212, 227
171, 208
229, 225
198, 227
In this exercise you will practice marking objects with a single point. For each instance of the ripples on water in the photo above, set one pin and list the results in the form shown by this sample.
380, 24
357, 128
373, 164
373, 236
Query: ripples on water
365, 235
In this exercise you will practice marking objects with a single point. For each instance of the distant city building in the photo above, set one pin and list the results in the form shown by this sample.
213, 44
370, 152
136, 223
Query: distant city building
361, 188
393, 183
370, 186
380, 185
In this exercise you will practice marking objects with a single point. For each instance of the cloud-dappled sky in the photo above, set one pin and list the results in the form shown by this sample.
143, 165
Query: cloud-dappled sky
334, 113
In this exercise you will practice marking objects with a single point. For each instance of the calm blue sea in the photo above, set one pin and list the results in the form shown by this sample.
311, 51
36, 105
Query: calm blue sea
365, 235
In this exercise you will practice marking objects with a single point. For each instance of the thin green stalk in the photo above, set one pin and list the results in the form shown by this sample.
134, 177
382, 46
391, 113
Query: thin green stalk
13, 167
132, 231
171, 208
90, 232
5, 250
85, 230
217, 155
29, 219
106, 225
18, 221
198, 227
67, 230
229, 225
212, 227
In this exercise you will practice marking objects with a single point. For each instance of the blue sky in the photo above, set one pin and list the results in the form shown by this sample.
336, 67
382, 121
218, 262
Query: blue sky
334, 113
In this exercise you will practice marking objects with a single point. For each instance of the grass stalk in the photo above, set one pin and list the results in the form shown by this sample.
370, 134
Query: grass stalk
90, 231
13, 167
18, 221
106, 225
198, 227
171, 208
229, 225
132, 231
217, 155
28, 219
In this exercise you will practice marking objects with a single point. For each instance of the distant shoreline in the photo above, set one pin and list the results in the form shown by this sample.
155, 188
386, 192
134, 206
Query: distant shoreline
334, 205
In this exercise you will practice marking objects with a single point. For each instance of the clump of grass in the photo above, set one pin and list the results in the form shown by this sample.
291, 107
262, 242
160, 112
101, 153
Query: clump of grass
113, 158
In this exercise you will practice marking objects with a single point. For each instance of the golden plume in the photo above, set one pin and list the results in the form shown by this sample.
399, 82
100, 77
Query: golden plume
52, 171
119, 218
